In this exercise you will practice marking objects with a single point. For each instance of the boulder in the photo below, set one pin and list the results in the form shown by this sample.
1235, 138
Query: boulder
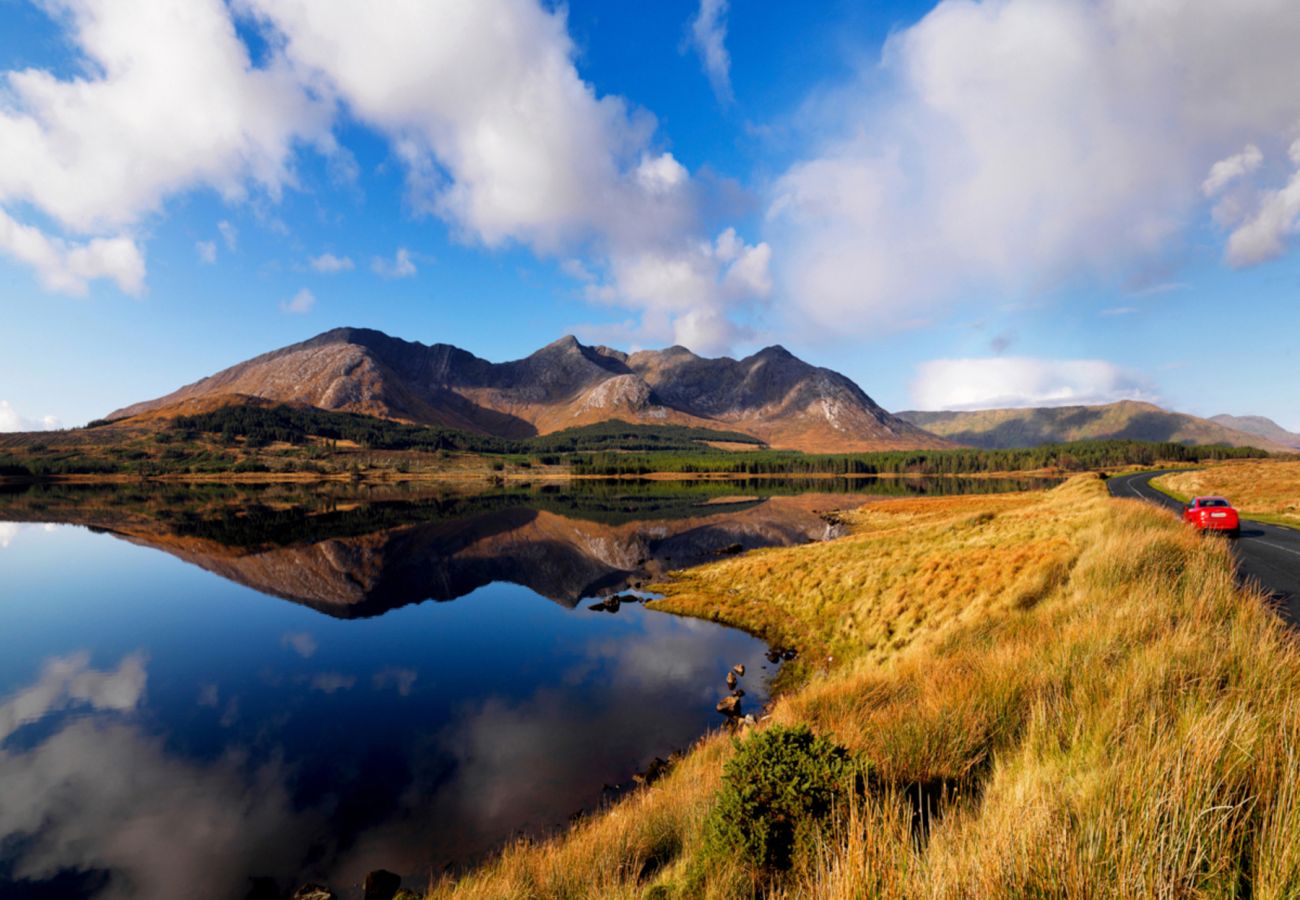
381, 884
731, 680
738, 668
729, 706
313, 891
657, 769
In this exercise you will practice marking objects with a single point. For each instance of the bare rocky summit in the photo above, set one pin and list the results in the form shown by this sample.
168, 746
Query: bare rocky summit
771, 395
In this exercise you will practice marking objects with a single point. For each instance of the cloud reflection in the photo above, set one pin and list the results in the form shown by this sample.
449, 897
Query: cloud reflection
68, 681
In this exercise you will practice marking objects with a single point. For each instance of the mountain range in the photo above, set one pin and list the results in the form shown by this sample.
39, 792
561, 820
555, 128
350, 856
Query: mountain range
1126, 419
772, 395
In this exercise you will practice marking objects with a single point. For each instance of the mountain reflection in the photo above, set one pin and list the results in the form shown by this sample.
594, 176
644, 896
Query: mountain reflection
355, 552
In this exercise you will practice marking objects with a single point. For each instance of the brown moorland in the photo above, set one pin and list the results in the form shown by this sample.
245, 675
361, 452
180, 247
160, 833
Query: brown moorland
1102, 710
1265, 489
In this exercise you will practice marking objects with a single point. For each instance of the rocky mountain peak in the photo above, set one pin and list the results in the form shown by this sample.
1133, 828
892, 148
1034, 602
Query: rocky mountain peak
772, 395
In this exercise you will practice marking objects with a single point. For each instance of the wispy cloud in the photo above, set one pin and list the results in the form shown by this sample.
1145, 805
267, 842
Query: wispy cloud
708, 35
329, 264
300, 303
207, 251
400, 266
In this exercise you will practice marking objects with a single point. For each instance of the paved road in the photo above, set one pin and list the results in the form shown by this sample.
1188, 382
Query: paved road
1269, 554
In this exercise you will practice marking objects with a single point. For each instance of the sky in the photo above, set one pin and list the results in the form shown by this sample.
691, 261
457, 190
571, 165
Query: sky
961, 205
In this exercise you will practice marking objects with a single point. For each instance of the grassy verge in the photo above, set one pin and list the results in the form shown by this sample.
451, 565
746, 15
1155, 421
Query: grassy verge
1264, 490
1057, 694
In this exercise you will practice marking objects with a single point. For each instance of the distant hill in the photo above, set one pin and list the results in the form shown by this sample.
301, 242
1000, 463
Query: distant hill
1260, 426
1127, 419
771, 395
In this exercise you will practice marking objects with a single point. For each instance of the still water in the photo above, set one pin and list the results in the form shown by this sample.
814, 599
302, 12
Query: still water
203, 685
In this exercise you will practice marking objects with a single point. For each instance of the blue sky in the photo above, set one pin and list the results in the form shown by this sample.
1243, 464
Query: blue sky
961, 205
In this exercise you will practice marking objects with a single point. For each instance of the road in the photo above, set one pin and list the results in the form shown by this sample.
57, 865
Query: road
1266, 553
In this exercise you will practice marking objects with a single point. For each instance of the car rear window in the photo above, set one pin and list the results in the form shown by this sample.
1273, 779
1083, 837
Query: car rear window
1213, 501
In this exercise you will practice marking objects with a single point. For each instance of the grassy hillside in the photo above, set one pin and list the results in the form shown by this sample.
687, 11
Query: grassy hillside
1128, 420
1262, 490
1045, 695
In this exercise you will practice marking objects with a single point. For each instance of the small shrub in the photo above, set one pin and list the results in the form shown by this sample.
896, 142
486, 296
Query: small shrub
777, 790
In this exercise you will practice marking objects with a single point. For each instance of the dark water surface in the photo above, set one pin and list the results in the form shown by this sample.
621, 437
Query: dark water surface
199, 685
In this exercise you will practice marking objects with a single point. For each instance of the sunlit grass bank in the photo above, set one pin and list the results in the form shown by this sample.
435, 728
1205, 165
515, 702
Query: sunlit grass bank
1054, 694
1264, 489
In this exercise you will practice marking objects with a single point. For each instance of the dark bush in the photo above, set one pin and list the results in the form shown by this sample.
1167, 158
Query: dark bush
777, 790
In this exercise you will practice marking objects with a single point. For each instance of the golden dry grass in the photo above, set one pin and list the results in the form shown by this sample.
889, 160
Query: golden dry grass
1268, 489
1093, 706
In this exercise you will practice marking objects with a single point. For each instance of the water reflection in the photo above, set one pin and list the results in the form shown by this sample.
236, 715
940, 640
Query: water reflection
165, 732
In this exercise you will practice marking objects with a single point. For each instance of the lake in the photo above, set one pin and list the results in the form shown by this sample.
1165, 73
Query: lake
201, 685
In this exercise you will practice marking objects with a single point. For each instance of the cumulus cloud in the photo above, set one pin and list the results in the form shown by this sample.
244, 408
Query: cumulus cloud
1000, 382
329, 264
163, 99
1011, 146
1262, 221
1228, 170
709, 38
8, 531
68, 267
400, 266
300, 303
10, 420
502, 138
207, 251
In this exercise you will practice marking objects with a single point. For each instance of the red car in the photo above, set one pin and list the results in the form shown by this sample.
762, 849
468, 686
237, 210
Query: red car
1212, 514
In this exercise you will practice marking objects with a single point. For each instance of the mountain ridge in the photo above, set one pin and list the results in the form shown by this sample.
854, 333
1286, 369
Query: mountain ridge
771, 394
1125, 419
1262, 426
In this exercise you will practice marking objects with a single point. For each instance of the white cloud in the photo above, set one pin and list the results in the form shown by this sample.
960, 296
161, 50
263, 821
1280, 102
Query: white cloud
8, 531
207, 251
1262, 221
1228, 170
1011, 146
999, 382
329, 264
709, 38
501, 137
1119, 311
67, 267
10, 420
229, 234
164, 99
400, 266
300, 303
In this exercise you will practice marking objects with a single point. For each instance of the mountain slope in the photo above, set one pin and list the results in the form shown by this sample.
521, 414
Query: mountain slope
771, 394
1127, 419
1261, 426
